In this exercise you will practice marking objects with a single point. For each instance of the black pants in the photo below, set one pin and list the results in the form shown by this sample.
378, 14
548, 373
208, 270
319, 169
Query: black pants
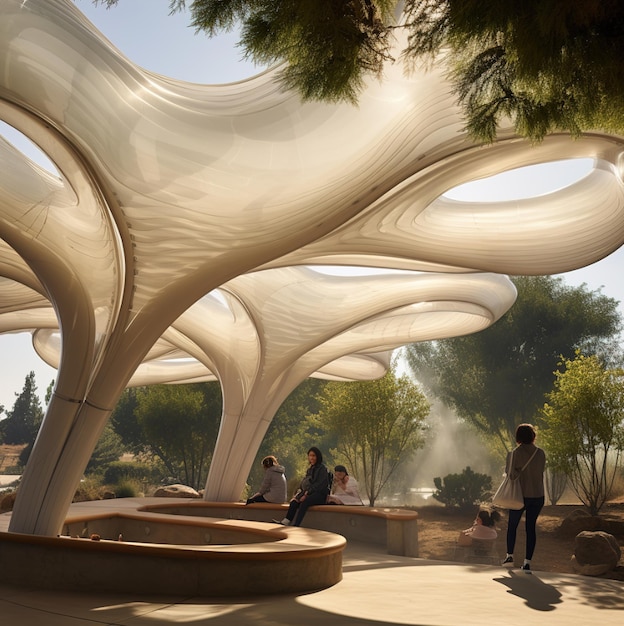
256, 499
533, 507
296, 509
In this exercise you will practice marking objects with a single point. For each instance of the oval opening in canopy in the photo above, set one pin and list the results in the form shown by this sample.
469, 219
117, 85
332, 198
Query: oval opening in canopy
523, 182
31, 150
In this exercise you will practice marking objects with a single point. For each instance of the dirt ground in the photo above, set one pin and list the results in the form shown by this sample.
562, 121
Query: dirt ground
9, 456
439, 527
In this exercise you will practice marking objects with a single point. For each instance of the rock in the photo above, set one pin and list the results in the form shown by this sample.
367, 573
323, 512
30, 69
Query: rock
595, 553
7, 502
589, 570
578, 521
176, 491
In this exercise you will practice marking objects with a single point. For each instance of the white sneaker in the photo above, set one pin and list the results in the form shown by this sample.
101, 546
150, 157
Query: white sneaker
284, 522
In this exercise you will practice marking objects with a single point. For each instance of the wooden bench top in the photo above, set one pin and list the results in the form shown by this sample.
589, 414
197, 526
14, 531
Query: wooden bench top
383, 512
394, 529
171, 554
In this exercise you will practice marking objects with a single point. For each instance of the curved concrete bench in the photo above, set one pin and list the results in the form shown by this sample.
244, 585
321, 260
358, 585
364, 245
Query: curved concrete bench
181, 555
394, 529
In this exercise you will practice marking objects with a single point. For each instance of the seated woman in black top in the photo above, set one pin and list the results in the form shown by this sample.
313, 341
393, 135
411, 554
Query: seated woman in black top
313, 489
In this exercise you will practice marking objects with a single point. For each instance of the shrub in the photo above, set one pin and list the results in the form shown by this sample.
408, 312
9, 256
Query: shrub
128, 488
463, 490
88, 489
119, 471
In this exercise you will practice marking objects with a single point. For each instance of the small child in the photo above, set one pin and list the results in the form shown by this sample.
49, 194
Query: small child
483, 528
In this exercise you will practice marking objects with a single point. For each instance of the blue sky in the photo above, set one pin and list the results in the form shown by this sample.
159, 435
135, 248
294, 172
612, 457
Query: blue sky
145, 32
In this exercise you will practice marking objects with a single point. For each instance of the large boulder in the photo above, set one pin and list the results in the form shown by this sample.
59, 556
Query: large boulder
595, 553
176, 491
578, 521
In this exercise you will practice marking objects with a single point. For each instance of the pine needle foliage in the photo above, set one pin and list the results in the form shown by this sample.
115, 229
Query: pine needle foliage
547, 65
327, 47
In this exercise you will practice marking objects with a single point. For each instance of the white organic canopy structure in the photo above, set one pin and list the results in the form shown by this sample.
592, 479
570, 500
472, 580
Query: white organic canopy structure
182, 238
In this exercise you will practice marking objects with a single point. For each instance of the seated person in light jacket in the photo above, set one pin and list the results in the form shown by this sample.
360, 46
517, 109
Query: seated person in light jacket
273, 487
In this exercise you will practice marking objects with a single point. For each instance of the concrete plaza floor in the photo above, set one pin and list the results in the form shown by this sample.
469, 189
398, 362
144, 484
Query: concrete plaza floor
376, 589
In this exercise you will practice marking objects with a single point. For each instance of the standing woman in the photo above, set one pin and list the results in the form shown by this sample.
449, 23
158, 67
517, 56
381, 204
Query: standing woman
313, 490
532, 483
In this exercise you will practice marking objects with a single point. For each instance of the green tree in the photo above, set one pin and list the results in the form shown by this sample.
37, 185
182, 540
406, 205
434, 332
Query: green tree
292, 432
23, 421
378, 425
125, 422
108, 449
582, 429
329, 47
548, 66
179, 423
144, 434
49, 390
497, 378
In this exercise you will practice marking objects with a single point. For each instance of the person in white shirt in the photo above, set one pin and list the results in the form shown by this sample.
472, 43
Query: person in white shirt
344, 488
